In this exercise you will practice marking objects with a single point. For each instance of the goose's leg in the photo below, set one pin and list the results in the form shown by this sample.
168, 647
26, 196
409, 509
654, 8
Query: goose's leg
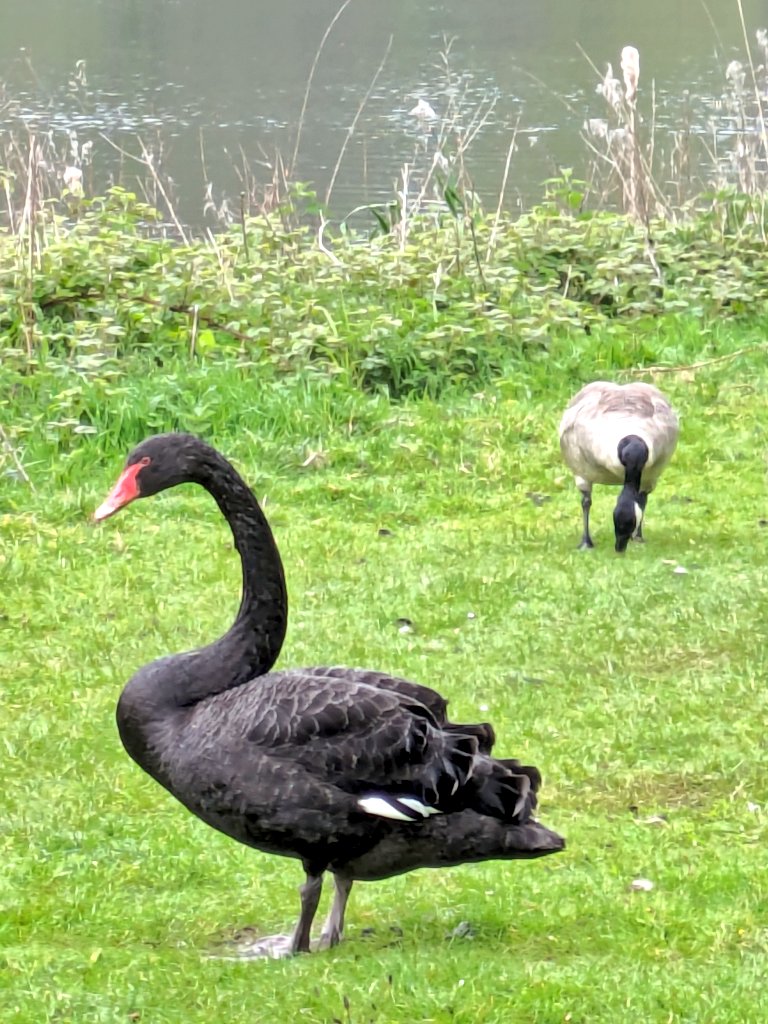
310, 897
586, 505
642, 502
333, 928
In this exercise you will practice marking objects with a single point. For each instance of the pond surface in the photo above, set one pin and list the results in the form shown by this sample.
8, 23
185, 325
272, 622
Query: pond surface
215, 91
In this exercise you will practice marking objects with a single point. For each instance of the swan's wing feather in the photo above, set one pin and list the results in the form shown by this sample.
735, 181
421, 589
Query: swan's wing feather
338, 727
366, 741
430, 698
383, 749
435, 703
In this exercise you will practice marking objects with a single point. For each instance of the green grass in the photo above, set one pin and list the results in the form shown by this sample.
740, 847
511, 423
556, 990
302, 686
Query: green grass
638, 691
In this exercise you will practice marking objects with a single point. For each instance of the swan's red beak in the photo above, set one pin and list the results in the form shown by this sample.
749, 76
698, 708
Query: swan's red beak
125, 490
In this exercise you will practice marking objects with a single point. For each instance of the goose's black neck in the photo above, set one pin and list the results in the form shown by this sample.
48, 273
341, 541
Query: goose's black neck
633, 455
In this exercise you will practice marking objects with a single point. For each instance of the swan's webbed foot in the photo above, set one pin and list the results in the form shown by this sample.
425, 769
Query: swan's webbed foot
269, 947
327, 940
275, 947
247, 946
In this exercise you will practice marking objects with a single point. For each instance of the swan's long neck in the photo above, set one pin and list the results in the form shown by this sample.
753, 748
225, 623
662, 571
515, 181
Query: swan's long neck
252, 644
155, 701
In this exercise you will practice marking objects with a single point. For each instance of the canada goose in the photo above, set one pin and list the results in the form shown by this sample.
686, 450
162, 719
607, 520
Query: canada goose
351, 771
618, 434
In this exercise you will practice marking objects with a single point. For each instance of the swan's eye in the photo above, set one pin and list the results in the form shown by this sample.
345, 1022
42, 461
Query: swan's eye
145, 461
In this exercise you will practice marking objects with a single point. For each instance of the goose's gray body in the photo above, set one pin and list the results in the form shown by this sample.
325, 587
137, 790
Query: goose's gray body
597, 421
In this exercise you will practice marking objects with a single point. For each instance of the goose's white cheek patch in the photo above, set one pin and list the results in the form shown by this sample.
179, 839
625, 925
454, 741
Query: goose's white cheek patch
638, 517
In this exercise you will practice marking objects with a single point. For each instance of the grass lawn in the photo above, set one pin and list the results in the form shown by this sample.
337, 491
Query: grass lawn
640, 692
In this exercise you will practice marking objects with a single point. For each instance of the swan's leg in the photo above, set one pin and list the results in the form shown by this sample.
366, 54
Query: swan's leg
333, 928
310, 897
642, 502
586, 505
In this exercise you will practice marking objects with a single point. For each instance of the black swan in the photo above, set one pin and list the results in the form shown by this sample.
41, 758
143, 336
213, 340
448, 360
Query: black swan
351, 771
618, 434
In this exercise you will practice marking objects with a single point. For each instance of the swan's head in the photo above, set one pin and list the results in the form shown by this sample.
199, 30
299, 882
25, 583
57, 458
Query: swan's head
627, 520
159, 462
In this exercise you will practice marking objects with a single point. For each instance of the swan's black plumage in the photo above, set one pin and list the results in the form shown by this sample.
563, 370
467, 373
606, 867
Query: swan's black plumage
352, 771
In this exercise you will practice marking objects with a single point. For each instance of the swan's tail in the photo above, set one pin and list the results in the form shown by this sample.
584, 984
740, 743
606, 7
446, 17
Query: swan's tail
483, 733
504, 790
459, 777
514, 766
438, 787
448, 839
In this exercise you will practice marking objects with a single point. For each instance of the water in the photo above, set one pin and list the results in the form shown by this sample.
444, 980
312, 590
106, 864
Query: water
215, 90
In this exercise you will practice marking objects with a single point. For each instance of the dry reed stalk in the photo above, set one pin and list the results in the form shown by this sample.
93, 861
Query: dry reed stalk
30, 197
351, 130
146, 160
761, 115
313, 68
193, 332
243, 227
28, 229
321, 243
402, 194
439, 162
638, 371
149, 162
450, 136
226, 277
9, 204
207, 185
11, 451
755, 85
642, 196
634, 193
505, 176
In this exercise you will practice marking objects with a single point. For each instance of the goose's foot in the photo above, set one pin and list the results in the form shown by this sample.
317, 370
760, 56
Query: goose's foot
586, 505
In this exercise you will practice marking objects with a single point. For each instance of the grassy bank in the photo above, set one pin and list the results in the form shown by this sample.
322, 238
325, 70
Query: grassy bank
393, 399
638, 690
